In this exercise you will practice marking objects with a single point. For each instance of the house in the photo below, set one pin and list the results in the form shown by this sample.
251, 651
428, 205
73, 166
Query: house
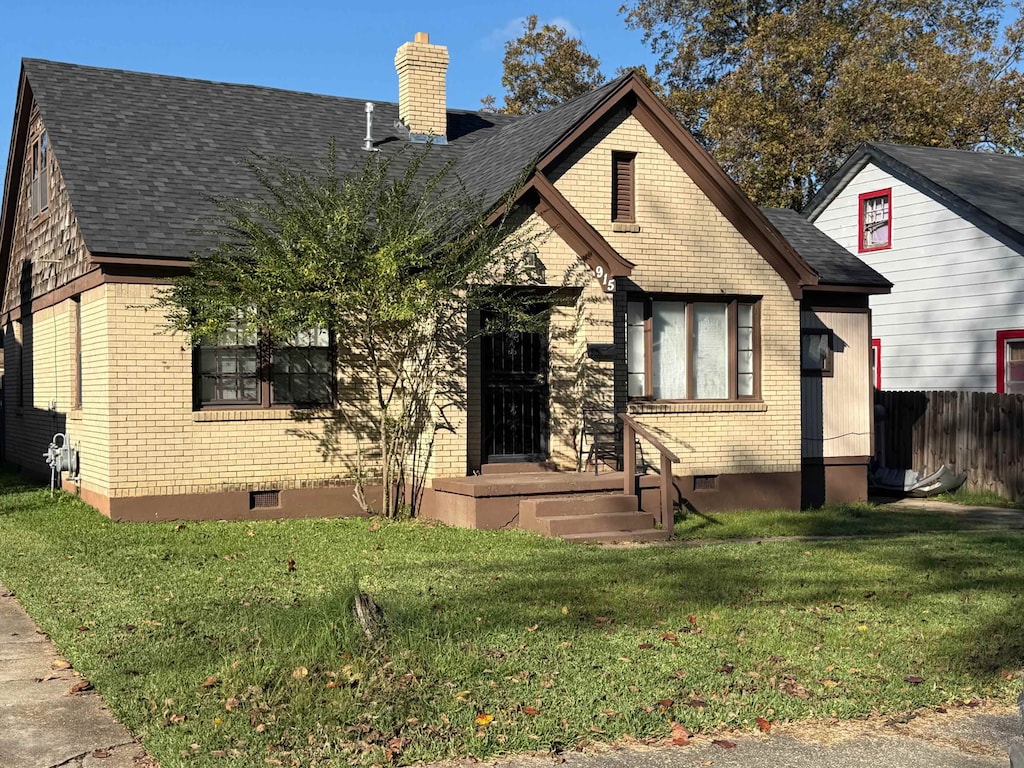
688, 312
947, 227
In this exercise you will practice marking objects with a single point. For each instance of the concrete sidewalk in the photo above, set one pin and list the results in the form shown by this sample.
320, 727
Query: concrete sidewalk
960, 738
43, 724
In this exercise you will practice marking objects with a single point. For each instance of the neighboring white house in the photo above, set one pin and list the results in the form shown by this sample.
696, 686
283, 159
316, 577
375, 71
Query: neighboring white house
946, 226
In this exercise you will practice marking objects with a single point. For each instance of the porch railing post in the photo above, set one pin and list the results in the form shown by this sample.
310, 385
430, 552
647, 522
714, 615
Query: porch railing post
628, 459
667, 513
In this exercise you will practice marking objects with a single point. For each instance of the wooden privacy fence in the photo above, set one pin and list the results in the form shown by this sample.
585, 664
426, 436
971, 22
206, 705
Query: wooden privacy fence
974, 432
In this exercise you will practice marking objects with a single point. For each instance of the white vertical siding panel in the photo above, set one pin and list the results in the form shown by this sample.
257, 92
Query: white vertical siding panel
837, 409
955, 286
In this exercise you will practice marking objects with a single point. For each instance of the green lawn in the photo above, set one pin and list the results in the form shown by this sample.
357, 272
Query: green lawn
560, 644
980, 499
839, 520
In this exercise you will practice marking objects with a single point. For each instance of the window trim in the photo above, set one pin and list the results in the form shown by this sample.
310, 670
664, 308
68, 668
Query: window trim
876, 346
829, 370
264, 380
630, 159
861, 203
732, 303
1001, 338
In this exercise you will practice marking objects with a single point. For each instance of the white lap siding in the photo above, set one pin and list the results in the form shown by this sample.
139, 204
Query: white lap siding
954, 287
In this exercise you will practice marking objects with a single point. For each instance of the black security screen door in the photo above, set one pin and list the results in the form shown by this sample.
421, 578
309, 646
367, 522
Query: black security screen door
515, 396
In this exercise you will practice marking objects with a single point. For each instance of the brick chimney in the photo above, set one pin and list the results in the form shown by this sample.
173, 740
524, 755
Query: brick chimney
421, 88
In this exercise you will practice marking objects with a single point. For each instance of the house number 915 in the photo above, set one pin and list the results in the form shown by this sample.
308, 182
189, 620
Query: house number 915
606, 280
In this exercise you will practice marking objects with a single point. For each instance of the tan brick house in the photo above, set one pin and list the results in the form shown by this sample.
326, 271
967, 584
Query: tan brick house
734, 340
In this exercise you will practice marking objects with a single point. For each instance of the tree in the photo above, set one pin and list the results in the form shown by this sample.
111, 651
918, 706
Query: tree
781, 91
390, 259
544, 67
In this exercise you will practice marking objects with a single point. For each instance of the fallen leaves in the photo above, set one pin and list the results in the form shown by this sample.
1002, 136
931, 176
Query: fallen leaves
81, 687
483, 719
680, 736
724, 743
914, 679
60, 664
231, 703
532, 711
299, 672
210, 682
763, 725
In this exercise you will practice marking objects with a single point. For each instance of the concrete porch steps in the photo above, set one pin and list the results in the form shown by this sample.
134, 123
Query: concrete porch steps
611, 514
614, 537
577, 506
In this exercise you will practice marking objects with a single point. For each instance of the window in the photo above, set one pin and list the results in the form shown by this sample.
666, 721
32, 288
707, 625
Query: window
876, 363
681, 349
875, 220
38, 190
623, 187
241, 369
1010, 362
816, 352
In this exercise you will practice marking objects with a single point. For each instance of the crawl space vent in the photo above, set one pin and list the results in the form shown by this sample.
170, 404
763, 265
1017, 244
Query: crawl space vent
705, 483
264, 499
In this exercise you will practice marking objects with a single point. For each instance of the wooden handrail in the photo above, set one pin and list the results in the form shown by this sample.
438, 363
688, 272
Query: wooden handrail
642, 431
629, 433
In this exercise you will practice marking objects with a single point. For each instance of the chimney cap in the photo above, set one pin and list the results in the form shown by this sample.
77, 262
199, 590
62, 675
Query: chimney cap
422, 37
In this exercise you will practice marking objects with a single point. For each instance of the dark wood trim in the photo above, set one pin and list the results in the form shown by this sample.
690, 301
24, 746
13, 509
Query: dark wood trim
623, 212
827, 372
12, 183
732, 303
578, 233
833, 302
869, 290
79, 285
836, 461
140, 261
722, 191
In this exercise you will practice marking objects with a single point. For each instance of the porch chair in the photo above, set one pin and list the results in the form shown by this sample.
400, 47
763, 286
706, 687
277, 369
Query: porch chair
601, 440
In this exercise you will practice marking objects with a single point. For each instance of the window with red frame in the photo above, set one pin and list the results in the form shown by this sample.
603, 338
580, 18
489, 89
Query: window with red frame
875, 220
876, 362
1010, 362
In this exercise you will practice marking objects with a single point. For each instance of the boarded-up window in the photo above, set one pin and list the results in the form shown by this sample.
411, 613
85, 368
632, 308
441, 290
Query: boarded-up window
623, 186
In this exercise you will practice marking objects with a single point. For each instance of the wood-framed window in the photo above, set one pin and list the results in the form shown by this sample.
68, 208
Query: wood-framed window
816, 346
876, 363
39, 175
1010, 362
624, 187
874, 220
242, 369
693, 348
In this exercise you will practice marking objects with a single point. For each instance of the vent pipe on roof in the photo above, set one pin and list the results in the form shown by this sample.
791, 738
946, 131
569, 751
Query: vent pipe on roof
368, 141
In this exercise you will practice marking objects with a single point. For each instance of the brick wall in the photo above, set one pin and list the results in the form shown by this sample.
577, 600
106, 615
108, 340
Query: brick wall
685, 245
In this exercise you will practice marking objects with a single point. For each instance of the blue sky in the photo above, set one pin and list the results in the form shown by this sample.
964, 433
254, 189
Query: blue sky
344, 48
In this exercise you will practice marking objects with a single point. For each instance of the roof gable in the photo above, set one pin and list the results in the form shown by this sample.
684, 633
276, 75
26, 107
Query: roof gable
985, 188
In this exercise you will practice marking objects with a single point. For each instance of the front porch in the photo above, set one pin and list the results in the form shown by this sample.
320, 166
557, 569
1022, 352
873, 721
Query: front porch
576, 506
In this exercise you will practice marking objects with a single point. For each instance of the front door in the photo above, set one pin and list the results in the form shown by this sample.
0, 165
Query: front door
515, 396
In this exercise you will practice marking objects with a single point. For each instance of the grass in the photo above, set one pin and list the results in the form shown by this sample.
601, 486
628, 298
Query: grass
979, 499
837, 520
560, 644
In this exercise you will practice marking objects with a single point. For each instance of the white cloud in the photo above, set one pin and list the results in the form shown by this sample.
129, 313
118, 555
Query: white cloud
514, 27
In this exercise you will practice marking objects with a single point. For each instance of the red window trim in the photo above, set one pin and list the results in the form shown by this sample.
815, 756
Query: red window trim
876, 344
1001, 338
861, 248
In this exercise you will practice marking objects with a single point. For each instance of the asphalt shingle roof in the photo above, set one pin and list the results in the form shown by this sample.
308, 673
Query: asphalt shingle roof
986, 188
834, 264
142, 155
